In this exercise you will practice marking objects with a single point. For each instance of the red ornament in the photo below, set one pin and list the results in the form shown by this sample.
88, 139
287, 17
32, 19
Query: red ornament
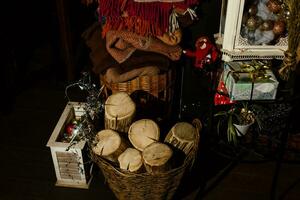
70, 128
279, 27
206, 52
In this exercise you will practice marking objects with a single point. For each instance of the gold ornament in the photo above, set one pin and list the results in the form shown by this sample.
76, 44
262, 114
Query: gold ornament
274, 6
252, 23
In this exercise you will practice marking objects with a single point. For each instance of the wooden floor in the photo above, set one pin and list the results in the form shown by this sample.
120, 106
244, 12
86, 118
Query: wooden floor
27, 171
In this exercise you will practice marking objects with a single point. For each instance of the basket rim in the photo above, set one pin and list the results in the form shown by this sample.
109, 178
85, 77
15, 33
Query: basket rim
160, 76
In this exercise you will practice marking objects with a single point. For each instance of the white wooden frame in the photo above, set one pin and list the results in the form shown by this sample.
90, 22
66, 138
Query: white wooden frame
234, 47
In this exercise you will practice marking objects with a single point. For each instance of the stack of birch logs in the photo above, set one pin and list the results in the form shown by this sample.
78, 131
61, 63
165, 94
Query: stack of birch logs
137, 146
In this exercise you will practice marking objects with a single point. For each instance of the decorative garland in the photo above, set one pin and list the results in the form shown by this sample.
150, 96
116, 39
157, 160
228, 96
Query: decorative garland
94, 107
293, 25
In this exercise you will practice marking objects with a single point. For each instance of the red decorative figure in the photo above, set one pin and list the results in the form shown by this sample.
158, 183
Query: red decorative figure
206, 52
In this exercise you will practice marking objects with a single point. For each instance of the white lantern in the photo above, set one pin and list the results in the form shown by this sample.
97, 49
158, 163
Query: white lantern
71, 164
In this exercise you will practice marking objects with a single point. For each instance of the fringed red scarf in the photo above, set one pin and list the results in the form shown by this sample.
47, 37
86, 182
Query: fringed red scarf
139, 16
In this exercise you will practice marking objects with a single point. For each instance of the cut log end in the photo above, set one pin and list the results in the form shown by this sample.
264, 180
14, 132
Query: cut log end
131, 160
143, 133
109, 145
156, 157
119, 105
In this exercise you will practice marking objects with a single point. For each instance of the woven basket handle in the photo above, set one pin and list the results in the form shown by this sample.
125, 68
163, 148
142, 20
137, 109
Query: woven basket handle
193, 153
198, 125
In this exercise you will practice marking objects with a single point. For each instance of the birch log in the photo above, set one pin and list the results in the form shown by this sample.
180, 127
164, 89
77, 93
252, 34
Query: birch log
156, 157
119, 112
109, 145
131, 160
182, 136
143, 133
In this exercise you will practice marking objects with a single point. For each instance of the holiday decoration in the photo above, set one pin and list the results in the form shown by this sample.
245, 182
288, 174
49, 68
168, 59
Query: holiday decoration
264, 34
267, 25
250, 80
293, 26
206, 52
93, 107
264, 22
74, 134
69, 157
251, 23
274, 6
279, 27
246, 30
221, 96
70, 128
252, 10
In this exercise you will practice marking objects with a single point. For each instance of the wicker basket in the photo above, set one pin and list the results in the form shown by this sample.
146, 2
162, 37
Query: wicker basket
160, 86
143, 186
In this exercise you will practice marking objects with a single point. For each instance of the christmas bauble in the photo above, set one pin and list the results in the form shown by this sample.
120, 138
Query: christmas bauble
274, 6
267, 25
287, 15
252, 10
279, 27
75, 121
70, 128
251, 23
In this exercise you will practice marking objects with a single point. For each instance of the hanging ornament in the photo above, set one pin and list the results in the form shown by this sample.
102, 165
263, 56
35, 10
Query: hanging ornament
252, 10
267, 25
279, 27
252, 23
289, 64
206, 52
70, 127
274, 6
85, 127
287, 15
